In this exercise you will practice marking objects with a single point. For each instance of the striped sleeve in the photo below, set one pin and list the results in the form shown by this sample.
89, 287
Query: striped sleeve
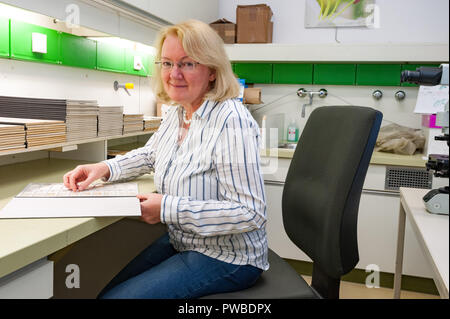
241, 205
134, 163
142, 160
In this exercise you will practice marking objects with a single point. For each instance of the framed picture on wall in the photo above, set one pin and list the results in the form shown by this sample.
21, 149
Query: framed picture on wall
340, 13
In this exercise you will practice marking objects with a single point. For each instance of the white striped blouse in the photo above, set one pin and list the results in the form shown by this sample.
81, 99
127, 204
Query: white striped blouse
214, 201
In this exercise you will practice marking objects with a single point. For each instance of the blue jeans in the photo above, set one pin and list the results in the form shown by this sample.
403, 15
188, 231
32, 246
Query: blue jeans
160, 271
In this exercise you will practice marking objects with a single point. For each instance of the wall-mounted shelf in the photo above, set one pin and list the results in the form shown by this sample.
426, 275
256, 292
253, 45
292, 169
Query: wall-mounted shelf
350, 52
71, 143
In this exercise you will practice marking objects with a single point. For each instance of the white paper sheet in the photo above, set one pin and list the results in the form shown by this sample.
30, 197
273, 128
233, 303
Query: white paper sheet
55, 201
94, 190
71, 207
431, 99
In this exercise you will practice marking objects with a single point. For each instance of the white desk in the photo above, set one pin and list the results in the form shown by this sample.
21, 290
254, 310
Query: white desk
432, 233
25, 241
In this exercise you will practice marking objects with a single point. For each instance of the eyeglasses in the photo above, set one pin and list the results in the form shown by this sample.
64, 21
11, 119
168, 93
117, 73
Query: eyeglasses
185, 66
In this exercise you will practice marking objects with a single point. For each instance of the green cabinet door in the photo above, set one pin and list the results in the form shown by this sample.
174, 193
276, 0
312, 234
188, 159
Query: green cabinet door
378, 74
110, 57
151, 64
334, 74
129, 62
78, 51
254, 72
21, 43
4, 37
292, 73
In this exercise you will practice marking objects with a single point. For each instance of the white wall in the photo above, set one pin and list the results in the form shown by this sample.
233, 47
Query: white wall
176, 11
41, 80
400, 21
92, 16
400, 112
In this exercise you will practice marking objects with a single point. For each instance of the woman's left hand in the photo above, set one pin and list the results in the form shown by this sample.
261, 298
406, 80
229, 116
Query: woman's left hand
150, 207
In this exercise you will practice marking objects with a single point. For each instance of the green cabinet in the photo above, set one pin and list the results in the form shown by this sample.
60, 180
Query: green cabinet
110, 57
4, 37
67, 49
292, 73
21, 43
147, 63
334, 74
378, 74
78, 51
151, 64
254, 72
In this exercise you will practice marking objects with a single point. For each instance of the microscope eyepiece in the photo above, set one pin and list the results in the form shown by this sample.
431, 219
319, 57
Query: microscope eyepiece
423, 76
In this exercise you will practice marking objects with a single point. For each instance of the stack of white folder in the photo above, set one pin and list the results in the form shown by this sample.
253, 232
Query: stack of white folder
110, 120
12, 137
133, 123
40, 132
81, 119
152, 123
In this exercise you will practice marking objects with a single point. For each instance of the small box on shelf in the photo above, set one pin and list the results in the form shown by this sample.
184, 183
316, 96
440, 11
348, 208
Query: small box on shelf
226, 30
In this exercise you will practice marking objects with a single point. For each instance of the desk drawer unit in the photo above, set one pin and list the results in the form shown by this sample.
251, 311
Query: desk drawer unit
34, 281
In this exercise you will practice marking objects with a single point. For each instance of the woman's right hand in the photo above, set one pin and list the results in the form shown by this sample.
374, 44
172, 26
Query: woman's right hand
82, 176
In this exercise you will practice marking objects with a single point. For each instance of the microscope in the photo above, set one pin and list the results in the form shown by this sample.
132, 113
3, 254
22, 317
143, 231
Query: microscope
437, 200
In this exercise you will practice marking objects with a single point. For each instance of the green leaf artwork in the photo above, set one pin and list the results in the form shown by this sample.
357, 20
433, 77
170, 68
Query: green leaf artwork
333, 13
328, 8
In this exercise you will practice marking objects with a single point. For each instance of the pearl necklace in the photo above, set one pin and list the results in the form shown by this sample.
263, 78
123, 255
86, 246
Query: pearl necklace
185, 120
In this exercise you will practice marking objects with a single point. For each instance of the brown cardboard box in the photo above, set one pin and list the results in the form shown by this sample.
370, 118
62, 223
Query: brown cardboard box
254, 24
226, 30
252, 96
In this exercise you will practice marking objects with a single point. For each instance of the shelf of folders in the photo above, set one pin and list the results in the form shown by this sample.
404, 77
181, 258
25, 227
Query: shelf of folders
28, 124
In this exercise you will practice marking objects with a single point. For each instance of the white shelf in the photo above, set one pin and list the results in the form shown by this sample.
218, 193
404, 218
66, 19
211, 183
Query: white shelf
349, 52
76, 142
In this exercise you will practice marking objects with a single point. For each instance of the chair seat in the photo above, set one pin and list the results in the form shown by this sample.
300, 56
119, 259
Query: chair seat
280, 281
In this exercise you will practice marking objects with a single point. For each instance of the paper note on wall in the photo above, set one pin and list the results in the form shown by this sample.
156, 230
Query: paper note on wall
431, 99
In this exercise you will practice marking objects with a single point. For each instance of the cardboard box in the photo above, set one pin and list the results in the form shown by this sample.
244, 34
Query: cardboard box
226, 30
252, 96
161, 109
254, 24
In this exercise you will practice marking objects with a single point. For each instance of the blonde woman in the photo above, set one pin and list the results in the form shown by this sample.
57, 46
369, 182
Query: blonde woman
210, 191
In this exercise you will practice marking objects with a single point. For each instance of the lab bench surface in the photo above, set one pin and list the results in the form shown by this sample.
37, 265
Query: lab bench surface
23, 241
378, 158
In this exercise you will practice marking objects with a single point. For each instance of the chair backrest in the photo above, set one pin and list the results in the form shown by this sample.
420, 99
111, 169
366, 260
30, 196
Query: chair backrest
324, 183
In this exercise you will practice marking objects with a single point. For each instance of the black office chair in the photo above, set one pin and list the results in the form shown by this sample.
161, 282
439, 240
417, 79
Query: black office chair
320, 203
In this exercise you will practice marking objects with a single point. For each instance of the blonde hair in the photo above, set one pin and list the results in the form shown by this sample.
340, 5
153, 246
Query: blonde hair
203, 44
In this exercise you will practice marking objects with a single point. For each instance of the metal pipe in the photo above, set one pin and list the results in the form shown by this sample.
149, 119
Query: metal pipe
303, 92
